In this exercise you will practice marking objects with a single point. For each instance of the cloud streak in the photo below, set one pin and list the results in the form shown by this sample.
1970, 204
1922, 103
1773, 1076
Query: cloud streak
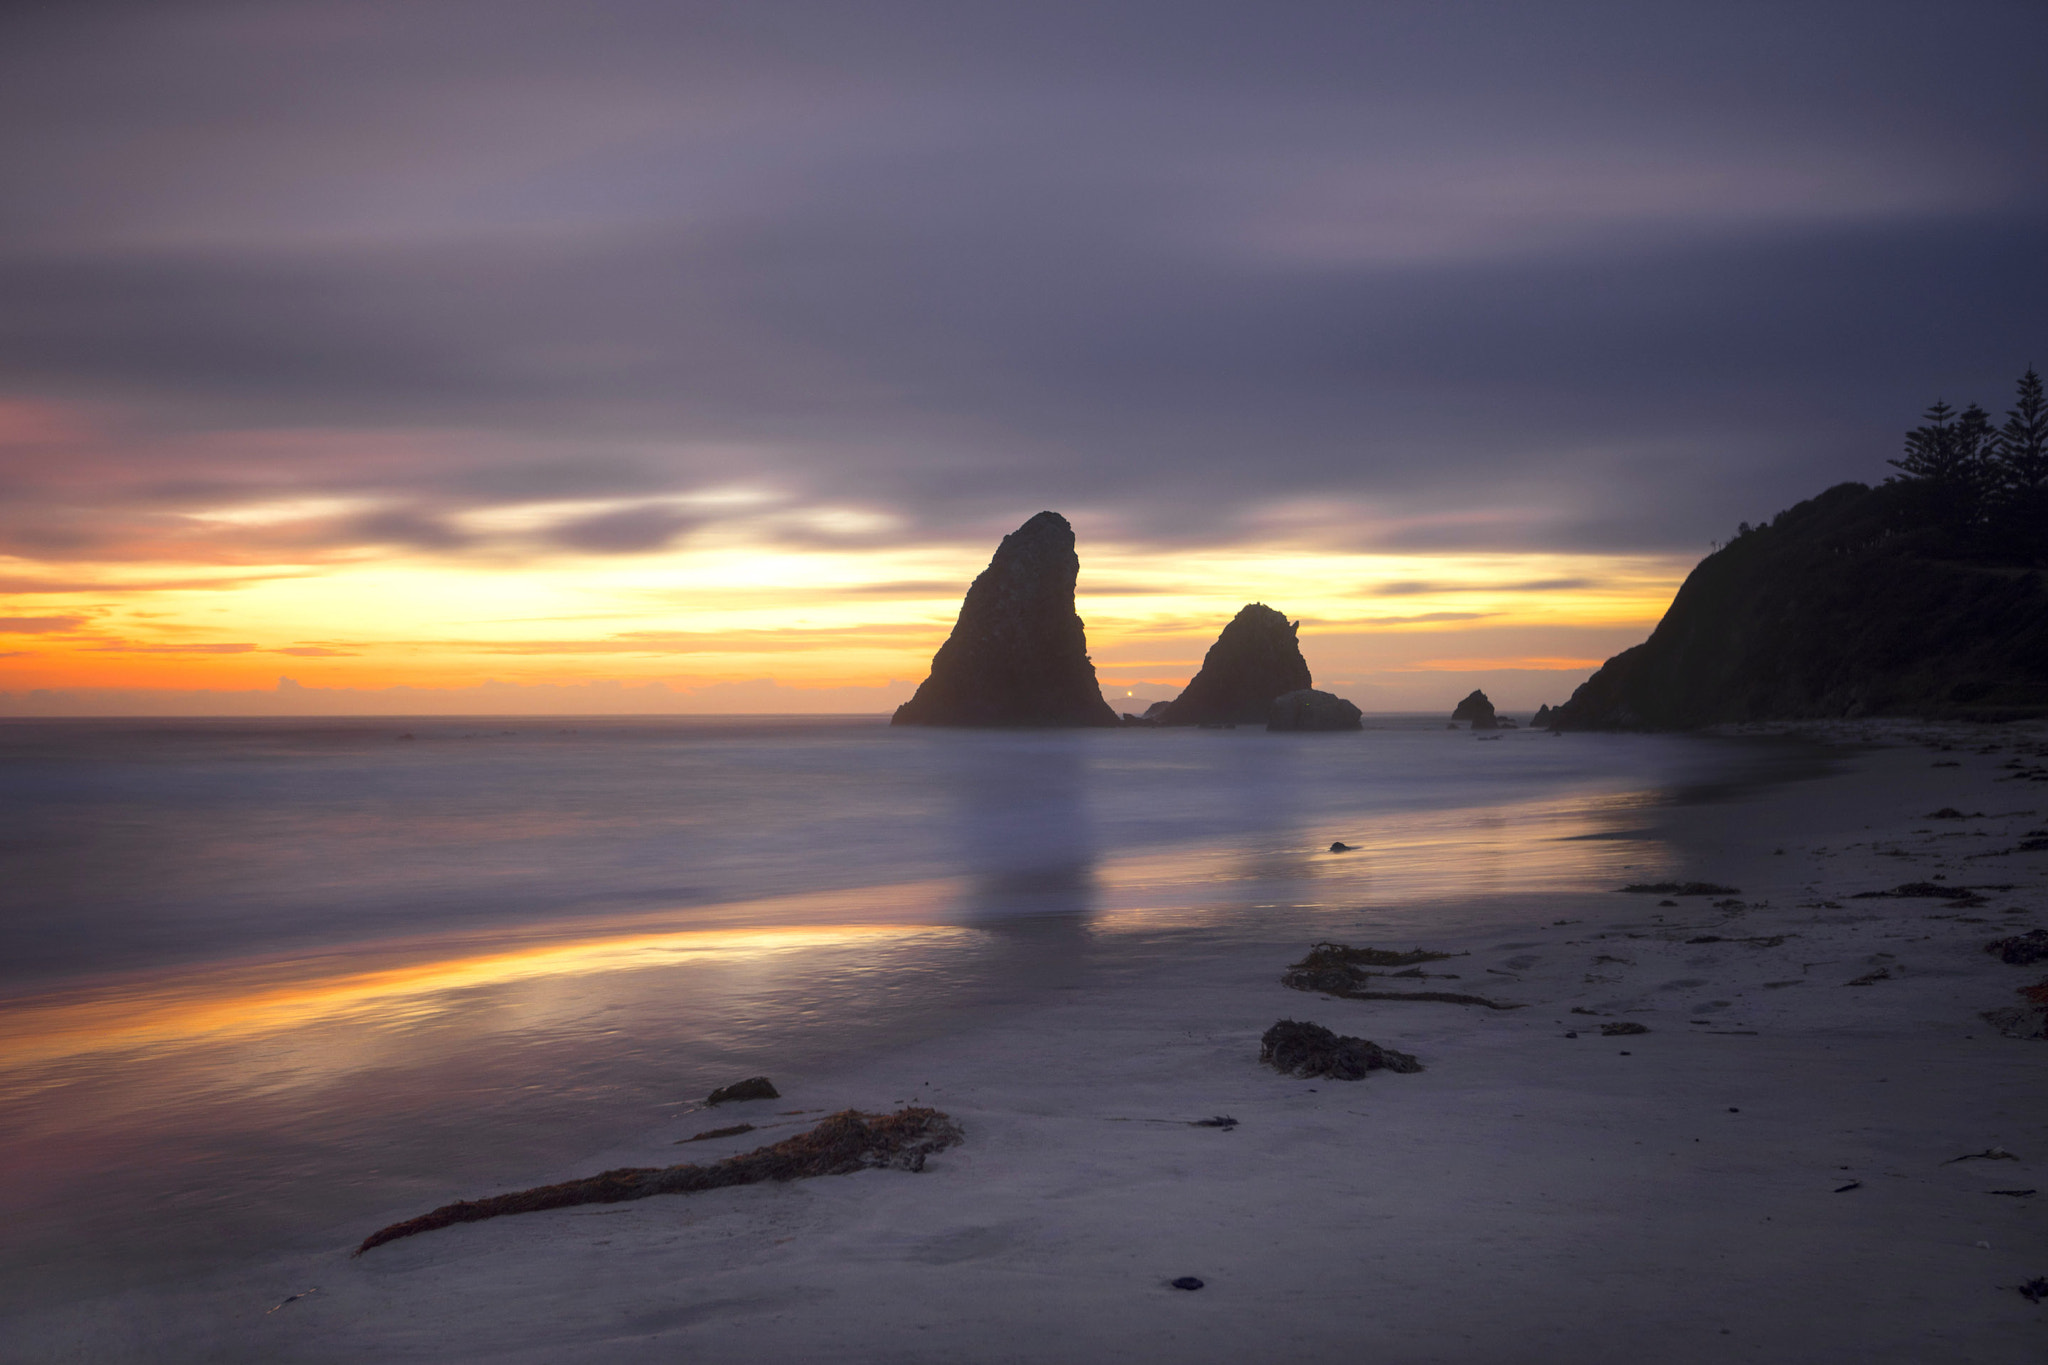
1603, 276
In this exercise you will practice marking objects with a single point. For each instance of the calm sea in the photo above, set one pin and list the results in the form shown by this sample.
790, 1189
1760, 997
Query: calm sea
263, 983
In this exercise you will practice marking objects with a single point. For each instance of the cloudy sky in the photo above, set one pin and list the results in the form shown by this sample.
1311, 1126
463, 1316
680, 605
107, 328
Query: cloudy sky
532, 356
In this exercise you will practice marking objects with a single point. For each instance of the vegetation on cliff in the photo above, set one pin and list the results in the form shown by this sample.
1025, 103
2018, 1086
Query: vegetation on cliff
1922, 596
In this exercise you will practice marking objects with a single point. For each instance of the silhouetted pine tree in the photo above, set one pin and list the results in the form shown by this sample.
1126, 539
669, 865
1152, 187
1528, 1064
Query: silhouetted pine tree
1931, 449
2022, 452
2018, 496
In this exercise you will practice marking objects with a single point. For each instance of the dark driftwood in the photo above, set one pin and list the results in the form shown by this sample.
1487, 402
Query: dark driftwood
846, 1142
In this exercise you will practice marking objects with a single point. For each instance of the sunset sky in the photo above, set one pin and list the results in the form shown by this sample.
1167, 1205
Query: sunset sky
518, 357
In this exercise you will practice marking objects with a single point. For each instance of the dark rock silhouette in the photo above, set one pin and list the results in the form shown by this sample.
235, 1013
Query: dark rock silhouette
2022, 949
1477, 709
1300, 1049
1857, 602
1542, 717
1254, 660
1308, 709
752, 1088
1018, 655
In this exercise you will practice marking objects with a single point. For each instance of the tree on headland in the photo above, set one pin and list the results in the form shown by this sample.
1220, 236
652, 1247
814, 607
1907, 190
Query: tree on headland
2023, 440
1988, 483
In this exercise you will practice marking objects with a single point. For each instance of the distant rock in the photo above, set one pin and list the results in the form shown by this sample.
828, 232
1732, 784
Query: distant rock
1860, 602
1155, 710
1308, 709
1018, 655
1478, 710
1254, 660
1541, 718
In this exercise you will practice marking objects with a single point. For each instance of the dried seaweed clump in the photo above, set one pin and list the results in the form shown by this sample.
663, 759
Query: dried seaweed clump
1298, 1049
2029, 1022
1622, 1028
846, 1142
1931, 891
1338, 969
2021, 950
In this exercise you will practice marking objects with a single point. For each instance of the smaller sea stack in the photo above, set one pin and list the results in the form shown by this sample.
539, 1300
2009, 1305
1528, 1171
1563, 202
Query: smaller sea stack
1254, 660
1477, 709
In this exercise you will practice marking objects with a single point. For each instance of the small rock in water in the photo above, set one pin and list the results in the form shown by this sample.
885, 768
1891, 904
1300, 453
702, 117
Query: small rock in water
1308, 709
1340, 847
752, 1088
1187, 1282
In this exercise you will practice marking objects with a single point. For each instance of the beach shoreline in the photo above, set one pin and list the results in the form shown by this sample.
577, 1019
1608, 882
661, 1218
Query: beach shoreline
1773, 1183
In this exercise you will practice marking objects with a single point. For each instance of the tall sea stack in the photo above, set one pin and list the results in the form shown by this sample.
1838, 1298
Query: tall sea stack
1018, 655
1254, 660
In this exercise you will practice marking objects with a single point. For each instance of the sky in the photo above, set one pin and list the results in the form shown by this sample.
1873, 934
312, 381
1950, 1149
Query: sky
446, 356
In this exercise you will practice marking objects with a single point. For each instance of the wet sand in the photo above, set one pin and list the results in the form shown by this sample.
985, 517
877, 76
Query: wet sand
1765, 1175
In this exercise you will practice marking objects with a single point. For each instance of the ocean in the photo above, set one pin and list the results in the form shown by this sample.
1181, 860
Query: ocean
268, 984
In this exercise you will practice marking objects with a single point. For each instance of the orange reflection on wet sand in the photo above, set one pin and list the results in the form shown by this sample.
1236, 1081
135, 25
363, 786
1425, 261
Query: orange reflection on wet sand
1417, 858
242, 1002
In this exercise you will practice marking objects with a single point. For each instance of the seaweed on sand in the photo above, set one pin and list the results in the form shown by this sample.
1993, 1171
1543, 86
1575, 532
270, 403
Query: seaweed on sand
1299, 1049
1327, 954
1931, 891
1338, 969
847, 1141
2021, 949
1682, 889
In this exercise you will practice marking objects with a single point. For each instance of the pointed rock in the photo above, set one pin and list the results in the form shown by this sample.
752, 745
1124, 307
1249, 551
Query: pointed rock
1018, 655
1254, 660
1477, 709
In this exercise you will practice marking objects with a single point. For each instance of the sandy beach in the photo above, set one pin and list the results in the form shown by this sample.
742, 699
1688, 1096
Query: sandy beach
1769, 1173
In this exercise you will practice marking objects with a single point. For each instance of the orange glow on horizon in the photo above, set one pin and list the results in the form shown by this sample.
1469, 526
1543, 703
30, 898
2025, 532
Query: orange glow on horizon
262, 1000
722, 611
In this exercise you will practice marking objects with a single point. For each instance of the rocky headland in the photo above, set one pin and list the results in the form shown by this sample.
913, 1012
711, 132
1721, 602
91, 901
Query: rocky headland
1860, 602
1018, 654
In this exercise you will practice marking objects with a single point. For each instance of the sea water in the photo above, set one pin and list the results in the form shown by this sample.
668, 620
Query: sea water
266, 984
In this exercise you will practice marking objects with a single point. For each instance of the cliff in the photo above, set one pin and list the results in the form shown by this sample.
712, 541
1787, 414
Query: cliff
1018, 654
1862, 601
1254, 660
